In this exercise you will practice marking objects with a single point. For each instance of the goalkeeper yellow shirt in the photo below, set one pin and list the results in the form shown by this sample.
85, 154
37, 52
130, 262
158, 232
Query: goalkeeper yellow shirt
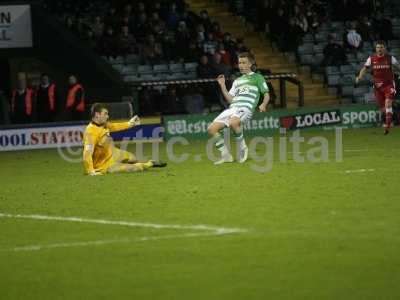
98, 145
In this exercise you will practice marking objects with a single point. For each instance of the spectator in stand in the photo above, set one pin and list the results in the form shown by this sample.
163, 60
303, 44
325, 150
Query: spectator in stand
206, 21
366, 30
334, 53
314, 23
110, 20
302, 22
126, 42
353, 39
172, 16
277, 25
182, 38
364, 7
46, 100
292, 36
217, 32
142, 28
225, 55
75, 102
240, 47
152, 51
108, 44
193, 53
90, 39
200, 34
344, 10
264, 14
210, 45
218, 67
193, 100
22, 104
204, 69
229, 44
383, 28
172, 103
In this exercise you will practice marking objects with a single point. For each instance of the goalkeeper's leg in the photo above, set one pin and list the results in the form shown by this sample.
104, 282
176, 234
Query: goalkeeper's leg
136, 167
123, 156
127, 168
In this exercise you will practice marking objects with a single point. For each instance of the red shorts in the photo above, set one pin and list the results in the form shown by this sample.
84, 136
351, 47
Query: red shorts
386, 91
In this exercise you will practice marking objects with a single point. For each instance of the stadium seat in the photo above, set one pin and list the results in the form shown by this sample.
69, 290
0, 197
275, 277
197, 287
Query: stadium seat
331, 70
147, 77
396, 31
160, 76
306, 59
333, 80
369, 98
318, 48
308, 38
396, 53
396, 22
347, 90
394, 44
132, 59
192, 75
347, 80
368, 47
132, 78
318, 58
337, 26
321, 37
346, 69
189, 67
351, 58
161, 68
362, 56
176, 76
305, 49
145, 69
176, 67
117, 66
359, 92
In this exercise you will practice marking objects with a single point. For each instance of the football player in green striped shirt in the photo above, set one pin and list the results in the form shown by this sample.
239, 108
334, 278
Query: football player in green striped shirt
243, 98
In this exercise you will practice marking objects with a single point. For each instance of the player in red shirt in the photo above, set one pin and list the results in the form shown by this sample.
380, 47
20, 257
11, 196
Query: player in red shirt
382, 65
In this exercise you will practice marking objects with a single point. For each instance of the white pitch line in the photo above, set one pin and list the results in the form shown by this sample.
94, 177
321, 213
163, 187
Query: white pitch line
219, 230
39, 247
205, 230
359, 171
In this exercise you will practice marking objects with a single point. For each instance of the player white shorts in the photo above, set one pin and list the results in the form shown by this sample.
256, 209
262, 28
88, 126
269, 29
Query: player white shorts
243, 113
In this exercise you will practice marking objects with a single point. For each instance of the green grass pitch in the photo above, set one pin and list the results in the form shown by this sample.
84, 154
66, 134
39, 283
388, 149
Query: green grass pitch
328, 230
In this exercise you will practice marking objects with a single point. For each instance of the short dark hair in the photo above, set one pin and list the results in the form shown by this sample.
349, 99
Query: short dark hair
380, 42
97, 108
249, 56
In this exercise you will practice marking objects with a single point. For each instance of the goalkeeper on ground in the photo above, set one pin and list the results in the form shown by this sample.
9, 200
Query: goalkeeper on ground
99, 154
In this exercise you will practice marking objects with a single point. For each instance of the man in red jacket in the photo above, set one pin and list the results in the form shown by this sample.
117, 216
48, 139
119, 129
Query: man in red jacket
75, 104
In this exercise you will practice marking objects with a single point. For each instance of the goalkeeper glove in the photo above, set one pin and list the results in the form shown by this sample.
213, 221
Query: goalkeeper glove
95, 173
134, 121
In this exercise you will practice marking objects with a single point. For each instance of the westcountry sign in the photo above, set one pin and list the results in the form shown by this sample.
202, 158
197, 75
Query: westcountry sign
354, 116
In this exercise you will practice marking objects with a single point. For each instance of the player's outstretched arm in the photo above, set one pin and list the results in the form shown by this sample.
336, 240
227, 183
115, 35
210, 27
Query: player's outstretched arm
361, 74
264, 104
221, 81
123, 125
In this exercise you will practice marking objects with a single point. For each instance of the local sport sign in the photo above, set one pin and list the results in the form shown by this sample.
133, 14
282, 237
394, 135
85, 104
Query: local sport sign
353, 116
311, 119
15, 26
68, 136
